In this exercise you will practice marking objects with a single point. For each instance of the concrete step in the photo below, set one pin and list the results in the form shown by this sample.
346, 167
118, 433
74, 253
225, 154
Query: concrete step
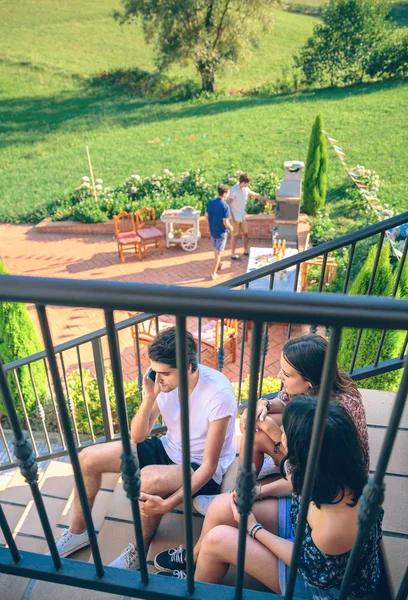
395, 554
398, 461
378, 406
43, 590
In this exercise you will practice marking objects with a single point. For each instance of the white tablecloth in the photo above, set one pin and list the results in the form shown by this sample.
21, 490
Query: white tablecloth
283, 281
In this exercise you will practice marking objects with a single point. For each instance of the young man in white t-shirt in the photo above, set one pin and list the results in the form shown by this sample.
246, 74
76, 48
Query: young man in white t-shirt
212, 411
237, 200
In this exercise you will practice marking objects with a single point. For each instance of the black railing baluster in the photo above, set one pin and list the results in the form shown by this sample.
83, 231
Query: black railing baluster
325, 394
5, 443
370, 289
70, 401
199, 339
373, 493
40, 409
26, 419
246, 476
323, 272
349, 265
8, 536
102, 388
265, 342
69, 438
295, 286
130, 464
404, 347
139, 363
221, 351
403, 590
182, 367
28, 465
54, 406
242, 355
81, 377
394, 293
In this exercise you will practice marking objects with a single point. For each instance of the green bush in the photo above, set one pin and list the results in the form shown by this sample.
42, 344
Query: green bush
370, 339
315, 178
390, 59
269, 386
18, 339
132, 396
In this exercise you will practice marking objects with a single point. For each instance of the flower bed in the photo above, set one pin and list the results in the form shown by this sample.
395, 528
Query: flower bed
164, 191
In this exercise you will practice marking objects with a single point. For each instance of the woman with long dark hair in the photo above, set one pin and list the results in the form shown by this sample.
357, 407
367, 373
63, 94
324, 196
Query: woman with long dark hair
331, 522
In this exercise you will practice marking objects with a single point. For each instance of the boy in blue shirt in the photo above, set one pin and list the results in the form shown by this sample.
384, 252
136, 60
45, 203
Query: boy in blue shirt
218, 215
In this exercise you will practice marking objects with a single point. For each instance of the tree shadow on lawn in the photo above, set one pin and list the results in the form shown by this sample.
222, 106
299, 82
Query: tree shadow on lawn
28, 120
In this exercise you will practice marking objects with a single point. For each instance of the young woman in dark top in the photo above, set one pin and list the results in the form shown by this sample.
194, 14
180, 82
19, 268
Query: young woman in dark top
331, 522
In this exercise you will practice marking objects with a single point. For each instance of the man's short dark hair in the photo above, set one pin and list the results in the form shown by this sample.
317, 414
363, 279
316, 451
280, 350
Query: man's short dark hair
223, 189
163, 349
245, 178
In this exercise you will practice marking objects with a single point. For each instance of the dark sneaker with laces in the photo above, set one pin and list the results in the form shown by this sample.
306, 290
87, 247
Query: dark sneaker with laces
174, 574
171, 560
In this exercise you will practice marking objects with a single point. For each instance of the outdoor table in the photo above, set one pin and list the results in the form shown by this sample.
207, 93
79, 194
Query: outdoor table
189, 238
282, 282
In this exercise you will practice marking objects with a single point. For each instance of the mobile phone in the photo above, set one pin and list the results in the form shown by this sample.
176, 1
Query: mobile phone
151, 374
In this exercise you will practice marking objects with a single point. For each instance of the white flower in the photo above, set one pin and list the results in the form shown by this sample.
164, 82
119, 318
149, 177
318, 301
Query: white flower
99, 181
157, 183
98, 187
167, 172
135, 177
133, 189
85, 179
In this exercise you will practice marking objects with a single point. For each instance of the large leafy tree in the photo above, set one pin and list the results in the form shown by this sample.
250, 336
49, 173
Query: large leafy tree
211, 33
340, 49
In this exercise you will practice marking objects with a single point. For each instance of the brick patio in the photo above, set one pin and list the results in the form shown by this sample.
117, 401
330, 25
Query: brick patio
27, 252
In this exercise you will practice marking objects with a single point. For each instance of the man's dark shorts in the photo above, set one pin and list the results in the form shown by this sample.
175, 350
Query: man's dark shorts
152, 452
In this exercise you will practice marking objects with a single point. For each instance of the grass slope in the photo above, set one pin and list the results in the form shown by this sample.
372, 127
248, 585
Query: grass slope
47, 115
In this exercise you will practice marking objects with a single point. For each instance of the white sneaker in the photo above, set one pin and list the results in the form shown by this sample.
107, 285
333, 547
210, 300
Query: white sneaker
268, 468
201, 503
68, 542
129, 559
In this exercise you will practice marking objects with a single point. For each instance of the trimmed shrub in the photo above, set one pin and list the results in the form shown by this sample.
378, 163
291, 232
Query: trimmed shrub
269, 386
390, 59
370, 339
315, 179
18, 339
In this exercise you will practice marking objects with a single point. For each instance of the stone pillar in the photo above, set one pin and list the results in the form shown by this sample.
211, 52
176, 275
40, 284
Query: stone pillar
288, 196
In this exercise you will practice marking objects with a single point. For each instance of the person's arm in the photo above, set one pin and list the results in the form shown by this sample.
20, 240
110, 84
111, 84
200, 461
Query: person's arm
261, 198
227, 224
143, 421
280, 487
280, 547
212, 452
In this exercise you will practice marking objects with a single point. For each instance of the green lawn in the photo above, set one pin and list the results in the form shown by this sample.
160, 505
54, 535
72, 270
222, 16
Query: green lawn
47, 115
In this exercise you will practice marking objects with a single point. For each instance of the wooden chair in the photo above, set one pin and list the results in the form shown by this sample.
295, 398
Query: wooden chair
125, 234
211, 338
147, 230
146, 333
329, 275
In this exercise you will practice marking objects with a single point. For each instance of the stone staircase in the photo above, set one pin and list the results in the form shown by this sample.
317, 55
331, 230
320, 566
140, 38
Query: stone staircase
113, 519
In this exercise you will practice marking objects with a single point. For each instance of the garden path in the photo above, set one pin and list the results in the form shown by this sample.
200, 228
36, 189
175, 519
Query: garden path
25, 251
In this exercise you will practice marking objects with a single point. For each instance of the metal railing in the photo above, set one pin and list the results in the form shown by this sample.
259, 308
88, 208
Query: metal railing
95, 339
333, 311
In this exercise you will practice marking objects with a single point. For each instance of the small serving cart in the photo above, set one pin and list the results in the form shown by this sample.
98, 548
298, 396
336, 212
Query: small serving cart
185, 216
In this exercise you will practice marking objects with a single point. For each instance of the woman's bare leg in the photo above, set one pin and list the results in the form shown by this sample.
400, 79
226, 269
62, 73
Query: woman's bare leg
219, 550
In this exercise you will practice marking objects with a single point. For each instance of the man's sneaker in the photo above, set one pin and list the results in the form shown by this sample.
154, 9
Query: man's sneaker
268, 468
175, 574
171, 560
68, 543
129, 559
202, 502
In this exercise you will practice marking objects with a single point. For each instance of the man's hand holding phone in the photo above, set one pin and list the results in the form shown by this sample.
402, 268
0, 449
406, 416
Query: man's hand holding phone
151, 389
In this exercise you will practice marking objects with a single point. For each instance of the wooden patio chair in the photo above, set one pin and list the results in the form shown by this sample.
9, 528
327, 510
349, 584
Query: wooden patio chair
126, 235
329, 275
211, 338
147, 230
146, 334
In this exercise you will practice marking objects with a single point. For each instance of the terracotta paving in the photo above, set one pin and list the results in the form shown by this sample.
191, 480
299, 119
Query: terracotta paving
27, 252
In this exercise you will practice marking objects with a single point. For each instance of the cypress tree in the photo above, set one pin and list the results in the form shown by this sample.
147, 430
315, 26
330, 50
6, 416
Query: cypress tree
370, 339
18, 339
315, 179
